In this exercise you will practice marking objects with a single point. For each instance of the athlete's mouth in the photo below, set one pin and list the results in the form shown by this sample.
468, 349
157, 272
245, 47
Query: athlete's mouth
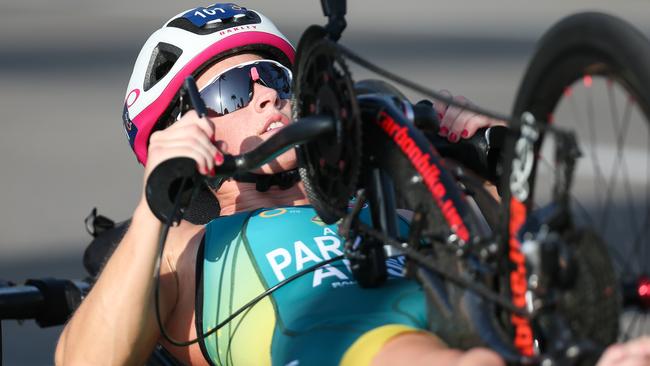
275, 122
275, 125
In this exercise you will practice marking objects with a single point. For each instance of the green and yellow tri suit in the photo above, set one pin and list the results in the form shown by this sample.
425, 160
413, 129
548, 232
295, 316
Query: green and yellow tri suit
322, 318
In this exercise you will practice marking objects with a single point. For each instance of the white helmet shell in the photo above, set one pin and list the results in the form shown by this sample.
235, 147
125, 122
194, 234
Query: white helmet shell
185, 45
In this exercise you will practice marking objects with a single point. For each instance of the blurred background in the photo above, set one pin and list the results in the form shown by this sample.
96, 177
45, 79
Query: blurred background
64, 66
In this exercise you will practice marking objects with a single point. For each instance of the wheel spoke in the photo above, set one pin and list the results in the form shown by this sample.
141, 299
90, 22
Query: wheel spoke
618, 163
630, 325
599, 180
646, 266
615, 251
644, 324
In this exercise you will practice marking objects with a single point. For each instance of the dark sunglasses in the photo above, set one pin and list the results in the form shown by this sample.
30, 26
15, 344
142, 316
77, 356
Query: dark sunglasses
233, 89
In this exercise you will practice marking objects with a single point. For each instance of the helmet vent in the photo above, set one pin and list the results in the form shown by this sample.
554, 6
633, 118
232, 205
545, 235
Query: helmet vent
163, 58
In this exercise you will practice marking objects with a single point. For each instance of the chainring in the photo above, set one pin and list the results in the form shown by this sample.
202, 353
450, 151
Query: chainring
329, 166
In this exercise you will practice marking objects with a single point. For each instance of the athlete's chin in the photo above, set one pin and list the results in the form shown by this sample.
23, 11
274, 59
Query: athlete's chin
282, 163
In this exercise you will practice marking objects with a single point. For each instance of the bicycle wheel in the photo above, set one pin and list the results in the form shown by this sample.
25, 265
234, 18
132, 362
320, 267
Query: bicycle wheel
590, 74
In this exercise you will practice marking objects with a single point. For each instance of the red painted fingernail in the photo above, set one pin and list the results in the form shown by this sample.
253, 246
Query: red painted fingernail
212, 172
443, 131
453, 137
465, 133
218, 158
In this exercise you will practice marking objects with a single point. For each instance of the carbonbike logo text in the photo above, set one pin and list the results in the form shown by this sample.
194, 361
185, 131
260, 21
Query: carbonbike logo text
430, 173
522, 166
518, 279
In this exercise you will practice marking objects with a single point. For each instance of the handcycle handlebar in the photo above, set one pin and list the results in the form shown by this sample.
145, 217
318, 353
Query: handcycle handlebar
303, 130
49, 301
177, 177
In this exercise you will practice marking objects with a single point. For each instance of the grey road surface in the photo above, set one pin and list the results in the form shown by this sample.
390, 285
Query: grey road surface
64, 66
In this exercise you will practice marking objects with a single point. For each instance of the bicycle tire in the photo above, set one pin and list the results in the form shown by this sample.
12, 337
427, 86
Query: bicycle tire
579, 48
450, 321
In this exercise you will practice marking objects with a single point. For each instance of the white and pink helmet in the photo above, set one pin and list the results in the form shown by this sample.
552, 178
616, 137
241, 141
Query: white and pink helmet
185, 45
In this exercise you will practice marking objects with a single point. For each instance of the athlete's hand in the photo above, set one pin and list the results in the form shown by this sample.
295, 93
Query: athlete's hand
457, 123
633, 353
190, 137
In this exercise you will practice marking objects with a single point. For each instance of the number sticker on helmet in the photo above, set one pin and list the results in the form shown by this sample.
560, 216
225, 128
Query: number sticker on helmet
218, 12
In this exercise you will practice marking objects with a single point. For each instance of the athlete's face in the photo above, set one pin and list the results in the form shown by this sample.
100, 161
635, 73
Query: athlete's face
245, 129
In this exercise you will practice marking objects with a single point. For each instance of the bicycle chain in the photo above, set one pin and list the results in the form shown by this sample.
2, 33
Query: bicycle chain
513, 121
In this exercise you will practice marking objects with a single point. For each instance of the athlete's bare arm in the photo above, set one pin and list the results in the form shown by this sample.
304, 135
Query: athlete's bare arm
116, 323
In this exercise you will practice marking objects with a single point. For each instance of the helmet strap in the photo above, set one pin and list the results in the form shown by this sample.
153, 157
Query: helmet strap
284, 180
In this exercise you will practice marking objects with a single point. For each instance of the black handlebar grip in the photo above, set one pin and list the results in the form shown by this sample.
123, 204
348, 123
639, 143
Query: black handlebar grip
170, 188
481, 153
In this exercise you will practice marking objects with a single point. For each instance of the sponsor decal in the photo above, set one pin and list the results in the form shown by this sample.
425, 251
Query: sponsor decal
429, 171
522, 167
132, 97
129, 128
522, 164
273, 213
518, 279
201, 16
318, 221
237, 29
287, 260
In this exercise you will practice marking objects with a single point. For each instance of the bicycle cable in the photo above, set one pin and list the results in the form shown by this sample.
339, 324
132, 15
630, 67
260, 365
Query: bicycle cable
423, 260
161, 245
510, 120
409, 252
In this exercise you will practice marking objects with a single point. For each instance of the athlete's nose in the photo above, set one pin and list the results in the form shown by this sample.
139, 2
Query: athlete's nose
264, 97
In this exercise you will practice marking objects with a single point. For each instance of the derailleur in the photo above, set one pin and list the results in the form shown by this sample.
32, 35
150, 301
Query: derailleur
366, 254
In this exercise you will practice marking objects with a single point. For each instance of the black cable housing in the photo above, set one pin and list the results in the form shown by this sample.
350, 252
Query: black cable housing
161, 246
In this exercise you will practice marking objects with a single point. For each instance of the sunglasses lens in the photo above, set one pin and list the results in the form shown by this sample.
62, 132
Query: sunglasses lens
275, 77
230, 92
233, 90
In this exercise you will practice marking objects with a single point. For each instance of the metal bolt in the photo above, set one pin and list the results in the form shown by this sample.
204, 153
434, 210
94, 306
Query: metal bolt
573, 351
533, 281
